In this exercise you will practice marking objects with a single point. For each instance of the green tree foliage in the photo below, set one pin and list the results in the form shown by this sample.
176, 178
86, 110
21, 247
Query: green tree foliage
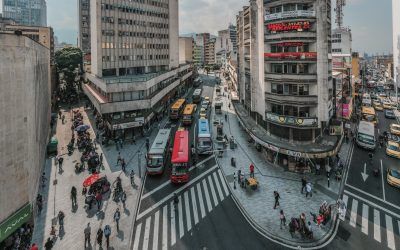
67, 60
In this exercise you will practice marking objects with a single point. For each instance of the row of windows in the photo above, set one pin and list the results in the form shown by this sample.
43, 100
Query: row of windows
134, 34
288, 7
133, 57
290, 89
134, 46
134, 11
127, 114
290, 68
337, 50
289, 110
133, 70
336, 40
337, 35
275, 48
139, 23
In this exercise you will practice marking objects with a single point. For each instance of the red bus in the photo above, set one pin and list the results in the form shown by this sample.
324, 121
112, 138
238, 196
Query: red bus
180, 157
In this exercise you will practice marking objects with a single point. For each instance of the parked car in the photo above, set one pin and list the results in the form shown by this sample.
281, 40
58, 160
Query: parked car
395, 129
389, 114
393, 177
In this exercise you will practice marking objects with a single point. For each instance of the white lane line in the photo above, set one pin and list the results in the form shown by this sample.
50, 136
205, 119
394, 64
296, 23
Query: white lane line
201, 201
194, 205
207, 195
353, 213
364, 221
165, 228
137, 236
377, 226
187, 209
221, 195
373, 204
389, 232
180, 217
214, 195
173, 228
166, 198
155, 229
223, 182
345, 200
146, 235
383, 183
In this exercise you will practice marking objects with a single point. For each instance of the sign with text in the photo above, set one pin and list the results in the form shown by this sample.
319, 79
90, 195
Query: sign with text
289, 26
15, 221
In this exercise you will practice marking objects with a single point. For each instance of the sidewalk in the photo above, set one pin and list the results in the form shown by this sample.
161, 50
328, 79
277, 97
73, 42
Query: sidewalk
56, 194
259, 203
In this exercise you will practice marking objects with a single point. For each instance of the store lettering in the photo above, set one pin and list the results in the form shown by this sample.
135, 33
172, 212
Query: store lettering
302, 25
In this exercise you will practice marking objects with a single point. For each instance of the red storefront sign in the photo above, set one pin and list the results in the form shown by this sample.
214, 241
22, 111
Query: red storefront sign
291, 55
301, 25
289, 44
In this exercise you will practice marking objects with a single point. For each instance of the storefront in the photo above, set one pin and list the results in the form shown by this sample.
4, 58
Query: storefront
10, 228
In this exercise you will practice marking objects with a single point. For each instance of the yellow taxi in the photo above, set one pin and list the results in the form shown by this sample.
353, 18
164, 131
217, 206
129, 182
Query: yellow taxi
377, 105
395, 129
387, 105
203, 113
393, 177
393, 149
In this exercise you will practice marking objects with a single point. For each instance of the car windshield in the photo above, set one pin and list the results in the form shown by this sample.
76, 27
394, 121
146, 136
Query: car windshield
393, 147
366, 138
389, 112
395, 173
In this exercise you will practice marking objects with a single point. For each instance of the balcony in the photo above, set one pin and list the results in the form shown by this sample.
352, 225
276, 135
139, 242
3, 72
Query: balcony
290, 14
293, 35
292, 121
291, 56
310, 100
297, 78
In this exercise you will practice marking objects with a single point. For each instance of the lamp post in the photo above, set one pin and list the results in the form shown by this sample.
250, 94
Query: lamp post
139, 164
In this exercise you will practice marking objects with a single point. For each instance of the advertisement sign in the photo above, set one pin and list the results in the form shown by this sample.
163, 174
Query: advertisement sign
292, 55
15, 221
290, 14
137, 123
289, 44
288, 26
292, 120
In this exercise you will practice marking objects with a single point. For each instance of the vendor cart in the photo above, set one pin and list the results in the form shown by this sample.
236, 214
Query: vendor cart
252, 183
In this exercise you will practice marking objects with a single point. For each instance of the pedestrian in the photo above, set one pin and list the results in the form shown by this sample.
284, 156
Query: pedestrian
62, 119
310, 230
73, 195
282, 217
123, 165
119, 158
251, 170
60, 162
59, 114
121, 143
123, 198
100, 237
239, 174
317, 168
132, 175
147, 146
49, 244
61, 217
107, 233
328, 170
277, 197
99, 198
87, 233
101, 159
117, 216
303, 184
308, 189
43, 179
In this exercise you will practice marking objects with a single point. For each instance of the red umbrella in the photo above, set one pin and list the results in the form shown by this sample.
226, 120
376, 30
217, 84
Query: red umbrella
90, 180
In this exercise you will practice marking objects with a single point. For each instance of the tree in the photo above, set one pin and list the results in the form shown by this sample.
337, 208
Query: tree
67, 61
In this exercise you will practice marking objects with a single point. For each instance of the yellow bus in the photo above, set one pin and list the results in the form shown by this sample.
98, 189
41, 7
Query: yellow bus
176, 109
188, 114
368, 114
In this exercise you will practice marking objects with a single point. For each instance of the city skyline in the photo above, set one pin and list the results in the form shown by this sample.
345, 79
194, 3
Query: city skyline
214, 18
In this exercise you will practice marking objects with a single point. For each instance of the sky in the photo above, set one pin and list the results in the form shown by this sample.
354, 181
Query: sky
369, 20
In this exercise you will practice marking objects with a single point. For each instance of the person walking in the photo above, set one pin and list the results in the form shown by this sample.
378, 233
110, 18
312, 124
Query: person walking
119, 158
99, 198
61, 217
132, 175
303, 184
100, 237
277, 197
282, 217
251, 170
107, 233
60, 162
87, 232
49, 244
101, 159
317, 168
73, 195
117, 216
123, 165
308, 189
123, 198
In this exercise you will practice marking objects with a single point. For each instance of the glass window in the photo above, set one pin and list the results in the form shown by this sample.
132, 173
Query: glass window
127, 96
135, 95
274, 88
280, 89
286, 89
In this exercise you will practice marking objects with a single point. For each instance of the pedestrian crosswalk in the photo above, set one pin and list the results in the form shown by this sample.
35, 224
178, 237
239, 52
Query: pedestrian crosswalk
372, 221
169, 222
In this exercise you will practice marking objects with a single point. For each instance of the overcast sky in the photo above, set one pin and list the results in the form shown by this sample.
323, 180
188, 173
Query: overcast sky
370, 20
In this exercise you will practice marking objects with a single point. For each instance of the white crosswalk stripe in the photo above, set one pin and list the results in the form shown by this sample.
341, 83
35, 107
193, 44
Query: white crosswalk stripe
167, 222
382, 222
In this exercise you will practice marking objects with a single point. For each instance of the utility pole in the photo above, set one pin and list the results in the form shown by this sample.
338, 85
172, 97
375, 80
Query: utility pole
139, 164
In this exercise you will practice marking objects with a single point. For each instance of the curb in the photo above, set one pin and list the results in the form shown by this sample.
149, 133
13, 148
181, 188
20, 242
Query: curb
130, 243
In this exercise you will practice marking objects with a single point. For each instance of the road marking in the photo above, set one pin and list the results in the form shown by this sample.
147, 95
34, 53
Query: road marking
166, 198
137, 236
364, 222
377, 226
353, 214
187, 209
180, 218
214, 195
223, 182
207, 195
194, 132
155, 229
165, 228
389, 232
383, 183
173, 228
372, 196
194, 205
345, 200
221, 195
201, 201
349, 161
169, 181
146, 233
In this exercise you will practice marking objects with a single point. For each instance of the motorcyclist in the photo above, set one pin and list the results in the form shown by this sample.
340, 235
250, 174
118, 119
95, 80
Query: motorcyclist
132, 175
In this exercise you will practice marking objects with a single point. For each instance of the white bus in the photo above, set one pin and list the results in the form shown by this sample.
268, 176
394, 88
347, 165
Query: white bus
196, 95
158, 153
366, 135
204, 142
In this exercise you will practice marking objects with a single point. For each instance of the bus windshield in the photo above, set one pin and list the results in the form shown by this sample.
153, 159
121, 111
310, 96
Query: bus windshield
366, 138
154, 161
179, 169
204, 142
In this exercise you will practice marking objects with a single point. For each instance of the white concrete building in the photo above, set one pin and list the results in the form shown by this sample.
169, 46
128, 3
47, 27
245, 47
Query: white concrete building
186, 46
135, 69
341, 41
25, 111
396, 40
84, 26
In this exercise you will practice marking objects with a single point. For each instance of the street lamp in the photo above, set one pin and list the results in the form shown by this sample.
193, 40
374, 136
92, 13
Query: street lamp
139, 164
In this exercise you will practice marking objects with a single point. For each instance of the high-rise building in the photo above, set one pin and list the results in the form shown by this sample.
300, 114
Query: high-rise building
198, 55
135, 71
84, 26
284, 76
25, 101
209, 52
396, 40
186, 46
232, 35
26, 12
